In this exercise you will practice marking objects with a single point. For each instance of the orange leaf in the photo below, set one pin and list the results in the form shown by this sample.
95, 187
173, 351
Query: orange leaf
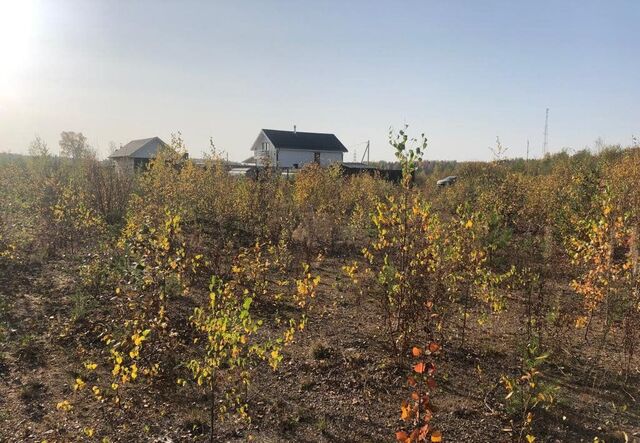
402, 436
414, 396
416, 351
419, 367
406, 411
433, 347
411, 381
436, 437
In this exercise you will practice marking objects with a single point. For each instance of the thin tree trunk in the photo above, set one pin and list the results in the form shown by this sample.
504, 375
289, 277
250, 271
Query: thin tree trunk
465, 310
212, 407
529, 310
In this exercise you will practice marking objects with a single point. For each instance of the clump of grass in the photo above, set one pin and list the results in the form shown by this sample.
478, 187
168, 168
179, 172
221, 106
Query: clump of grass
83, 304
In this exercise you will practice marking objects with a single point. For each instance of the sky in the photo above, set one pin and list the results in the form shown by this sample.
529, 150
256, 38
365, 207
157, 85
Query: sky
462, 72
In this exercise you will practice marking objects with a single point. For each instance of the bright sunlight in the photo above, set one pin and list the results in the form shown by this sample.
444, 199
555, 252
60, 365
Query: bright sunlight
16, 30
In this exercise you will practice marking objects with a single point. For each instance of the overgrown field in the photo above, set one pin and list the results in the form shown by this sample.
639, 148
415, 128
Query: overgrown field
185, 304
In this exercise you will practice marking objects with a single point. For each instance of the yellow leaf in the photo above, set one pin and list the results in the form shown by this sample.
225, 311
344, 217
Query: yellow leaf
581, 322
436, 437
79, 384
64, 405
137, 339
134, 371
530, 438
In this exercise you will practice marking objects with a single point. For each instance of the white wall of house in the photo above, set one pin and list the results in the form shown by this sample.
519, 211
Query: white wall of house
288, 158
264, 151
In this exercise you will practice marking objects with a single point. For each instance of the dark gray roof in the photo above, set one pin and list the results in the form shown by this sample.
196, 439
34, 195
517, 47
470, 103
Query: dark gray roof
307, 141
131, 149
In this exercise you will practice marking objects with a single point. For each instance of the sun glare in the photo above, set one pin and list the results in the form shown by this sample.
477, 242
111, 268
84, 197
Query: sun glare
16, 30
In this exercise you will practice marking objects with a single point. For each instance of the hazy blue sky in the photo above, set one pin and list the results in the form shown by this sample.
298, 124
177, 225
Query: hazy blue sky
461, 71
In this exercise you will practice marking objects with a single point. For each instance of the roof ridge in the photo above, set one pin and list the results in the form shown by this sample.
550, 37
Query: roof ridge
133, 146
299, 132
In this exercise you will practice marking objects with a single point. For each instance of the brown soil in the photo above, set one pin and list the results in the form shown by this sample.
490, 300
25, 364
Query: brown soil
336, 383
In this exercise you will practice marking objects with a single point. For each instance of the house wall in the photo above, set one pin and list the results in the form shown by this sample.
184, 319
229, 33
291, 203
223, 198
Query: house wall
287, 158
124, 164
129, 165
264, 157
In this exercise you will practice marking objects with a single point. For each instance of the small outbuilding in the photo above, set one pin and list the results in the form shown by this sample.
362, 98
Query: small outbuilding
137, 154
394, 175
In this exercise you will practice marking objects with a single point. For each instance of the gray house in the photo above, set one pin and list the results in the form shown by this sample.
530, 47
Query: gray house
293, 149
136, 154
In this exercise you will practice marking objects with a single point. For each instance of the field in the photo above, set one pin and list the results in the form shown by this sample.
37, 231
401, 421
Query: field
184, 304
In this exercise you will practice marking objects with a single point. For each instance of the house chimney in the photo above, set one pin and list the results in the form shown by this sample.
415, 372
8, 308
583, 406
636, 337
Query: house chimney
294, 129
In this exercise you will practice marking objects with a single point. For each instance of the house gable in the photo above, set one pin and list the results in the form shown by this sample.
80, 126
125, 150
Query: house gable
264, 150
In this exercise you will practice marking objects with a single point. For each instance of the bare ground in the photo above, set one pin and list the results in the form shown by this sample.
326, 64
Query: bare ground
336, 383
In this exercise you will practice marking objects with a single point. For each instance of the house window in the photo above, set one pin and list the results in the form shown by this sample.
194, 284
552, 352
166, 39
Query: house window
316, 157
265, 146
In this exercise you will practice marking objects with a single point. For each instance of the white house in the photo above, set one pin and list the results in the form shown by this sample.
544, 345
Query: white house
293, 149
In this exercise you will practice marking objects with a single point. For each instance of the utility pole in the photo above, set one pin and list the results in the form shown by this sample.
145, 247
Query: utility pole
546, 133
527, 149
366, 152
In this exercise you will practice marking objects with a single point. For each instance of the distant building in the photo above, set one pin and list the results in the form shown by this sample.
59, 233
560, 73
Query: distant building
137, 154
394, 175
294, 149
